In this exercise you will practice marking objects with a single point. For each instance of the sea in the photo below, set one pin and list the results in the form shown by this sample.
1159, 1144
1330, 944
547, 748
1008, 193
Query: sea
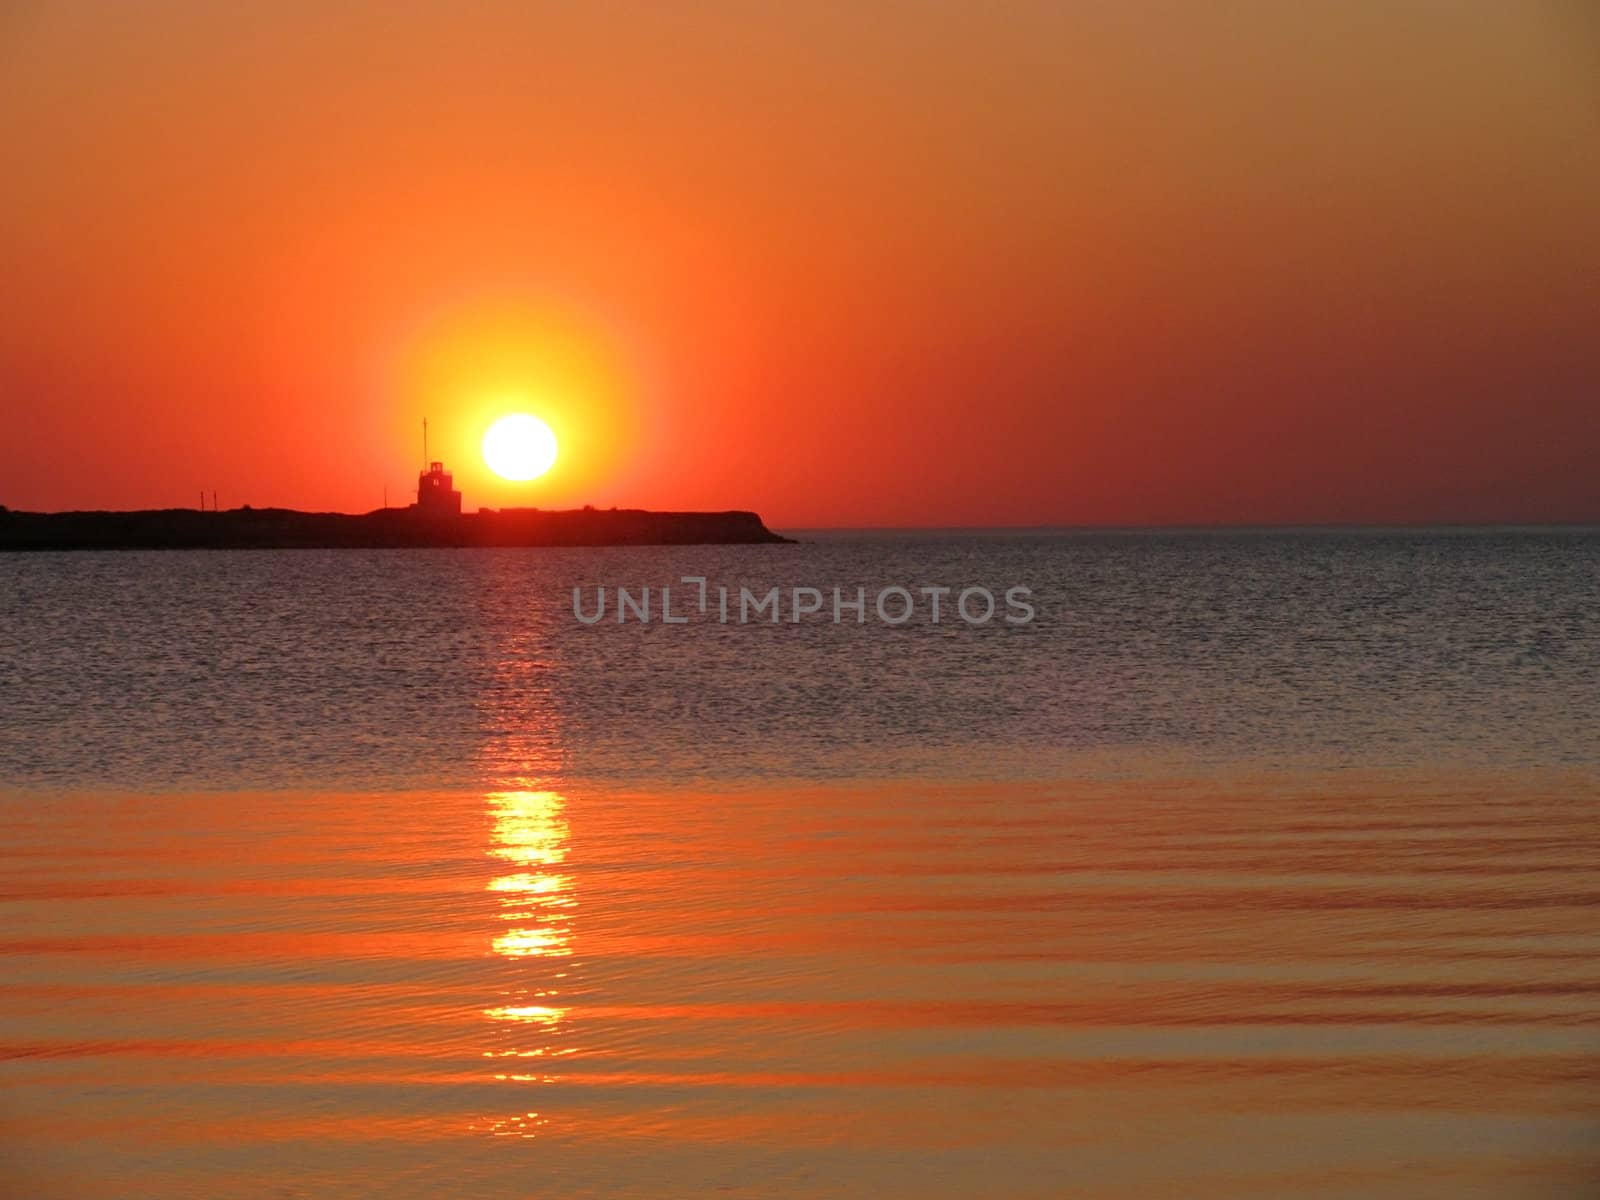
1246, 863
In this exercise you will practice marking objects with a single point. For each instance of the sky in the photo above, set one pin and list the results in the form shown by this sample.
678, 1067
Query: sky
846, 264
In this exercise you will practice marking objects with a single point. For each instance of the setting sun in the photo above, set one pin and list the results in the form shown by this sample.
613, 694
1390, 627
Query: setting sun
519, 447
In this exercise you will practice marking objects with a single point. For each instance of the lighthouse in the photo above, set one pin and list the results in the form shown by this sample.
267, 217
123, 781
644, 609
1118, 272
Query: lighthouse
436, 493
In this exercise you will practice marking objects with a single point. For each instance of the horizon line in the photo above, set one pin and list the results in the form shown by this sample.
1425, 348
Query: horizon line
1199, 527
1568, 524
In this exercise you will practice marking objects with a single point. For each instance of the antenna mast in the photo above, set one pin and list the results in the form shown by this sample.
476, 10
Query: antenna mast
424, 443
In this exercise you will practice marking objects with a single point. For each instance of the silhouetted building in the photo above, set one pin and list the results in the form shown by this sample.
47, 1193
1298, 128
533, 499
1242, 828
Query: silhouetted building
436, 491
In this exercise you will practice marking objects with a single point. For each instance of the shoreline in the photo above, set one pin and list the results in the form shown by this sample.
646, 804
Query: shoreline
392, 528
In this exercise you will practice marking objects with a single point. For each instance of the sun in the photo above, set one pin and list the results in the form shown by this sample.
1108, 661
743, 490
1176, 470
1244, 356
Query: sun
519, 447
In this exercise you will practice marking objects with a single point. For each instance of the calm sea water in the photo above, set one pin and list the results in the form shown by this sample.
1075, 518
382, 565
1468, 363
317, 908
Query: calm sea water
1256, 865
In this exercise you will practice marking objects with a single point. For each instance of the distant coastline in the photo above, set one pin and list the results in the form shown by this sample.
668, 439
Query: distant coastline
391, 528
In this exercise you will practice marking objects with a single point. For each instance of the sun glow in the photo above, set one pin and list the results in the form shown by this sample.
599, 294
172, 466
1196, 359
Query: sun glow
519, 447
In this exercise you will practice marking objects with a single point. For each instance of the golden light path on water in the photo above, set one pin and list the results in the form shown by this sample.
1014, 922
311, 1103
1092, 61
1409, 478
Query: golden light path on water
529, 834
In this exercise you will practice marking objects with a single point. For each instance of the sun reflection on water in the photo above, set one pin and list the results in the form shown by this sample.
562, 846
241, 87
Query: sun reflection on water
536, 899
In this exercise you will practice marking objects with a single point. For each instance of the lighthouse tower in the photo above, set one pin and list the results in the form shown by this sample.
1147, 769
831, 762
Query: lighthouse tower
436, 491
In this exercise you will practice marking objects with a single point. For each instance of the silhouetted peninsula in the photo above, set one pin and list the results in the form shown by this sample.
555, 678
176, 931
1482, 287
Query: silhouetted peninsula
282, 528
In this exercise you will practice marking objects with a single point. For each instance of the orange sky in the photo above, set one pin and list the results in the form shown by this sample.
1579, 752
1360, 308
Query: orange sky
845, 264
